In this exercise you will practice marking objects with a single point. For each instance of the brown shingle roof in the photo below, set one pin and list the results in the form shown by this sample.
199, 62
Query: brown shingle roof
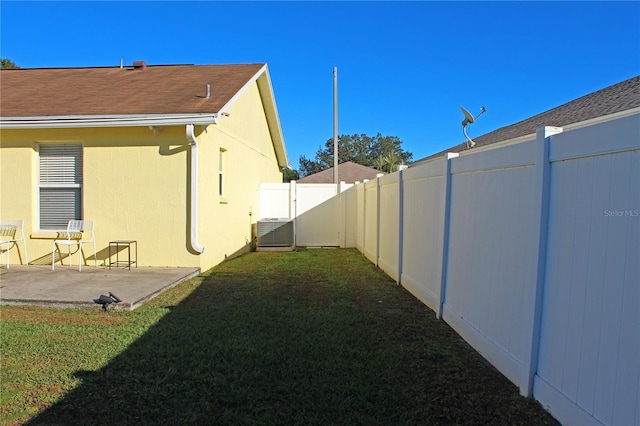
348, 172
164, 89
610, 100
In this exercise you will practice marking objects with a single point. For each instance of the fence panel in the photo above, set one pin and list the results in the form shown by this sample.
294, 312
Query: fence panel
360, 217
423, 230
371, 206
589, 362
389, 192
492, 252
317, 215
275, 201
348, 201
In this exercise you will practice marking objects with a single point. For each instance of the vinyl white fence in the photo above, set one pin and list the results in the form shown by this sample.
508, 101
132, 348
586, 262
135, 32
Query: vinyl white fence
319, 212
531, 252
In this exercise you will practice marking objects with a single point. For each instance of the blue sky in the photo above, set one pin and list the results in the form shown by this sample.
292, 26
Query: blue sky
403, 67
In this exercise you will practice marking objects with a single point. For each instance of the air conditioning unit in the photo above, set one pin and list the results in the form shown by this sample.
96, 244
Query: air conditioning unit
275, 232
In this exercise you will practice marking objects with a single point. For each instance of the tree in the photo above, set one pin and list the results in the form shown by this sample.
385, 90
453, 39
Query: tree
384, 153
289, 174
391, 161
309, 167
379, 163
7, 63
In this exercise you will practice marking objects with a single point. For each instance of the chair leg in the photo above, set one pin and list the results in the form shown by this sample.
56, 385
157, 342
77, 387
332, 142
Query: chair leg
26, 255
53, 256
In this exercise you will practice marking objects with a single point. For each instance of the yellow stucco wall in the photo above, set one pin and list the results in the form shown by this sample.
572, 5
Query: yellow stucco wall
249, 160
136, 185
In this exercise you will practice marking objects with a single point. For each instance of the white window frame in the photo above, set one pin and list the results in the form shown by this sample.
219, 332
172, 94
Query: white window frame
63, 174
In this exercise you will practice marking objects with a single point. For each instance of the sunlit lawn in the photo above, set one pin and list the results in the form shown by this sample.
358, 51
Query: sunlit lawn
306, 337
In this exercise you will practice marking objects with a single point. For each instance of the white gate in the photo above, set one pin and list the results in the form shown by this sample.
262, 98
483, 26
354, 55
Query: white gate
317, 215
315, 208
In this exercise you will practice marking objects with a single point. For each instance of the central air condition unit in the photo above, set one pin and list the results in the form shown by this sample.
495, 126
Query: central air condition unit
275, 232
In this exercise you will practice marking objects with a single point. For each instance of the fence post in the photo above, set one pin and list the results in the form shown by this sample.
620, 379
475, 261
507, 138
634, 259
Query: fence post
342, 209
400, 222
293, 214
532, 311
364, 216
445, 237
378, 219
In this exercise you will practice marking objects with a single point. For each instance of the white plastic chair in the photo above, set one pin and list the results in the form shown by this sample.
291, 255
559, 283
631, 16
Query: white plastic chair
12, 231
76, 230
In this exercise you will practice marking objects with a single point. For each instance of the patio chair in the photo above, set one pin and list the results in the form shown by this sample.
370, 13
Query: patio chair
78, 232
12, 231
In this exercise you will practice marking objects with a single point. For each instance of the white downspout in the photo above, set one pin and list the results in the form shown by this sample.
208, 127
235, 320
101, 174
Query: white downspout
191, 137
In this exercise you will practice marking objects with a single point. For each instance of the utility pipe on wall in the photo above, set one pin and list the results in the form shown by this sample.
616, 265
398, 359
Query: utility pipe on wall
191, 137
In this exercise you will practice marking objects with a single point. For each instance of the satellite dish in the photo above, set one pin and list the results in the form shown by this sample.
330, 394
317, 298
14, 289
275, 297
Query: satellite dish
469, 119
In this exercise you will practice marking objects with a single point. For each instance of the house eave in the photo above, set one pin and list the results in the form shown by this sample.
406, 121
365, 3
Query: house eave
83, 121
271, 110
265, 88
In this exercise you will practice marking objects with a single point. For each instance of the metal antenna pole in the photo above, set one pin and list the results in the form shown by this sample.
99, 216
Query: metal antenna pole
470, 142
335, 125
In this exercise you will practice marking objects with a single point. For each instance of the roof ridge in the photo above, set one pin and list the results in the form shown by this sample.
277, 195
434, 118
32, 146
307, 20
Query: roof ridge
130, 66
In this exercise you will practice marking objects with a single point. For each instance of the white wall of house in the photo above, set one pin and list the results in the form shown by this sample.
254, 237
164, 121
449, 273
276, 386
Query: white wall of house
531, 252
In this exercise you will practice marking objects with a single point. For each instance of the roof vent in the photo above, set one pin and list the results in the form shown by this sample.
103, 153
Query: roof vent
139, 65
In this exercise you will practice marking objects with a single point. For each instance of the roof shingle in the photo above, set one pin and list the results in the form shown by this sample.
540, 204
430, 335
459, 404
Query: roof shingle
348, 172
162, 89
610, 100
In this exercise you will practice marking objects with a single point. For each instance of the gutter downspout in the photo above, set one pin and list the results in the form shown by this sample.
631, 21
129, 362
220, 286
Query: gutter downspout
191, 137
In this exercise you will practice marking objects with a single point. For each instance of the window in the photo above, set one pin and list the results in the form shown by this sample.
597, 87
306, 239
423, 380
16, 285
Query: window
221, 162
60, 185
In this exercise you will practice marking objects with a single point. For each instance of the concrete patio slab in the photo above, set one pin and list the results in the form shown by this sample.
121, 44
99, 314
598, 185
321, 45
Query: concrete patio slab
68, 287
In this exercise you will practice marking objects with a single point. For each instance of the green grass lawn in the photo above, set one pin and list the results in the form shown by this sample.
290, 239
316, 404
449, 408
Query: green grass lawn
305, 337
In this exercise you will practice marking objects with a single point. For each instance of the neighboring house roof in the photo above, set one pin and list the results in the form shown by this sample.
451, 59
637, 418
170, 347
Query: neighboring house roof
139, 95
348, 172
614, 99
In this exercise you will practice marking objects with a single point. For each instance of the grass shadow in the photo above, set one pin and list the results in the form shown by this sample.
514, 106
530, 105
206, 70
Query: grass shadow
307, 337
